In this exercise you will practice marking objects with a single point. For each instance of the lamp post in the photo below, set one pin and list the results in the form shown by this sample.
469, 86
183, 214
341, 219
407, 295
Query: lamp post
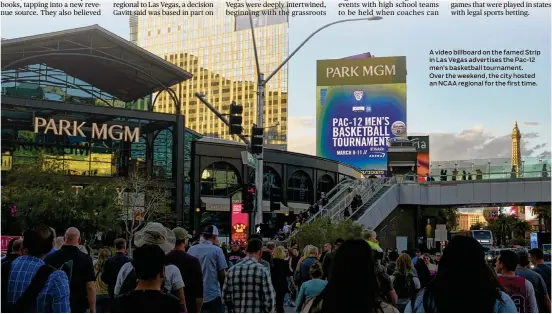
261, 84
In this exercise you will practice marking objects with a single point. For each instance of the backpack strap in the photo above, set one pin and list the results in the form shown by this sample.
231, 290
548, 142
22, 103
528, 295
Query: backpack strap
37, 284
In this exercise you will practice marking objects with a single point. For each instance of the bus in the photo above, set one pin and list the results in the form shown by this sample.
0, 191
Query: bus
485, 237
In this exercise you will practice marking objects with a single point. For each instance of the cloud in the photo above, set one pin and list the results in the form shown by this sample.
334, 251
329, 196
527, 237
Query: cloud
477, 143
302, 135
532, 123
473, 143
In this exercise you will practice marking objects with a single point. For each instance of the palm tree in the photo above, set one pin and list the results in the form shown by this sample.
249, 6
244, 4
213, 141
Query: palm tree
502, 228
520, 228
543, 215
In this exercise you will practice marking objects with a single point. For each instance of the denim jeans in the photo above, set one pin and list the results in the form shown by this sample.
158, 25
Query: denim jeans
214, 306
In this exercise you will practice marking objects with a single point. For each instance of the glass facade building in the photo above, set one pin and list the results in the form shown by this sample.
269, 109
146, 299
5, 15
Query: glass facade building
89, 111
218, 51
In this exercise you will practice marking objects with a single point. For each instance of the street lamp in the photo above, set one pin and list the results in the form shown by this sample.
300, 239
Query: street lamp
261, 84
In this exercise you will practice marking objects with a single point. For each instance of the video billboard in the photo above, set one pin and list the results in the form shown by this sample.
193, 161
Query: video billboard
361, 105
240, 225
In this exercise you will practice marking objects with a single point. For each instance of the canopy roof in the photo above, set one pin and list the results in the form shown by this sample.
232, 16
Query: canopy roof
98, 57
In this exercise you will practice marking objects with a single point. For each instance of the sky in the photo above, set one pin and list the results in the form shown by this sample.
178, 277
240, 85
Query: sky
463, 123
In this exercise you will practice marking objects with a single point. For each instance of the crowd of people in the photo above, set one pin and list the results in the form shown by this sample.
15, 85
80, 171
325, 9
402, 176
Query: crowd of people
166, 275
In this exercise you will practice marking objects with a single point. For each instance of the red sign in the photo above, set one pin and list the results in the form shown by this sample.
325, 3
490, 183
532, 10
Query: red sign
6, 240
240, 225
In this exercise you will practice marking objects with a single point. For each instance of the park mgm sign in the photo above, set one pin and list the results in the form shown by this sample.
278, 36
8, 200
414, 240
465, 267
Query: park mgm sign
99, 131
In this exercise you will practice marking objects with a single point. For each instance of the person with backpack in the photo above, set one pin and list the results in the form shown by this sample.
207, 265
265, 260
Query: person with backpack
79, 269
147, 296
29, 284
156, 234
405, 282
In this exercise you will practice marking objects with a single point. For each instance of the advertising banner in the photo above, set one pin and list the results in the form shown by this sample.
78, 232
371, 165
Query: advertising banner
361, 105
422, 169
240, 225
6, 240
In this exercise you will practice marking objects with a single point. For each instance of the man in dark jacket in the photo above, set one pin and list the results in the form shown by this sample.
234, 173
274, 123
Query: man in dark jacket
329, 257
80, 271
113, 265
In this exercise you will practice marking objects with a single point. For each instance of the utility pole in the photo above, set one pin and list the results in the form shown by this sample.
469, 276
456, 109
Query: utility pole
261, 84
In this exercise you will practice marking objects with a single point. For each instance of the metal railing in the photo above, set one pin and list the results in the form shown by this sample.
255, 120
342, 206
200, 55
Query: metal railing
368, 188
371, 192
331, 194
460, 176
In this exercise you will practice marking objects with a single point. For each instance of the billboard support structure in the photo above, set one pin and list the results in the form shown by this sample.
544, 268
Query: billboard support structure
261, 84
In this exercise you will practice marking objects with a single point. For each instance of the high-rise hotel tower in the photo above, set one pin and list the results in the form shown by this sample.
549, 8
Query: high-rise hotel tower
218, 50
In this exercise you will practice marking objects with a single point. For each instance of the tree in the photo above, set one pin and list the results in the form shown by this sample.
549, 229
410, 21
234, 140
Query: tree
321, 231
39, 192
141, 200
543, 215
521, 228
509, 227
450, 214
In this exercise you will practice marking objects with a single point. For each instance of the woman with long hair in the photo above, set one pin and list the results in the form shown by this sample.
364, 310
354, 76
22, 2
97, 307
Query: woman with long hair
429, 263
102, 294
293, 262
280, 273
405, 282
464, 283
422, 271
310, 256
352, 286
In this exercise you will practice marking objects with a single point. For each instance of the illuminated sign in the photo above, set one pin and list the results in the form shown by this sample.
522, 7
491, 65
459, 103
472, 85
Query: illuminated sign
240, 225
99, 131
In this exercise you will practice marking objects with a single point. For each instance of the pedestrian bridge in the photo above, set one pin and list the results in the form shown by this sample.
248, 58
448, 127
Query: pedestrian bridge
453, 193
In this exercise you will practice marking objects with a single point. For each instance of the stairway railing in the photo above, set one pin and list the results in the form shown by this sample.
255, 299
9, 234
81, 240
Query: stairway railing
386, 182
372, 187
332, 194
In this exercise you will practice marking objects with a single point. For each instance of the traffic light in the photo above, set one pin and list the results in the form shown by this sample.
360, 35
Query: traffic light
248, 198
275, 198
236, 119
257, 140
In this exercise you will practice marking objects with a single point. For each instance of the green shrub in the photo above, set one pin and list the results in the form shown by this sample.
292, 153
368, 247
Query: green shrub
321, 231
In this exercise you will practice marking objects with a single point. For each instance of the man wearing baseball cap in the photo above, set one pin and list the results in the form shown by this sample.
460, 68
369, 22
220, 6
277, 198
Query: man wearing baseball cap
213, 266
190, 269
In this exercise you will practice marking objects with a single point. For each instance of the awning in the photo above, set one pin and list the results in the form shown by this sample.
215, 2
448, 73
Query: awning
283, 208
298, 207
216, 204
98, 57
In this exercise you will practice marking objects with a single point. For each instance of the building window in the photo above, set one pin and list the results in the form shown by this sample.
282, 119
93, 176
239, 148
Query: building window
300, 188
325, 184
271, 180
219, 179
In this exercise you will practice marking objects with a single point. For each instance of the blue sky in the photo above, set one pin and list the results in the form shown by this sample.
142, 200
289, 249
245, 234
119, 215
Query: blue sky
470, 116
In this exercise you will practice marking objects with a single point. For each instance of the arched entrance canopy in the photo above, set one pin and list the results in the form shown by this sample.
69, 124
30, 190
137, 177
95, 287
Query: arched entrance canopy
100, 58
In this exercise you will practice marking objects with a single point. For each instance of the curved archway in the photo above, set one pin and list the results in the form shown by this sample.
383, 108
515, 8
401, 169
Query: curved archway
271, 180
325, 184
219, 179
300, 188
